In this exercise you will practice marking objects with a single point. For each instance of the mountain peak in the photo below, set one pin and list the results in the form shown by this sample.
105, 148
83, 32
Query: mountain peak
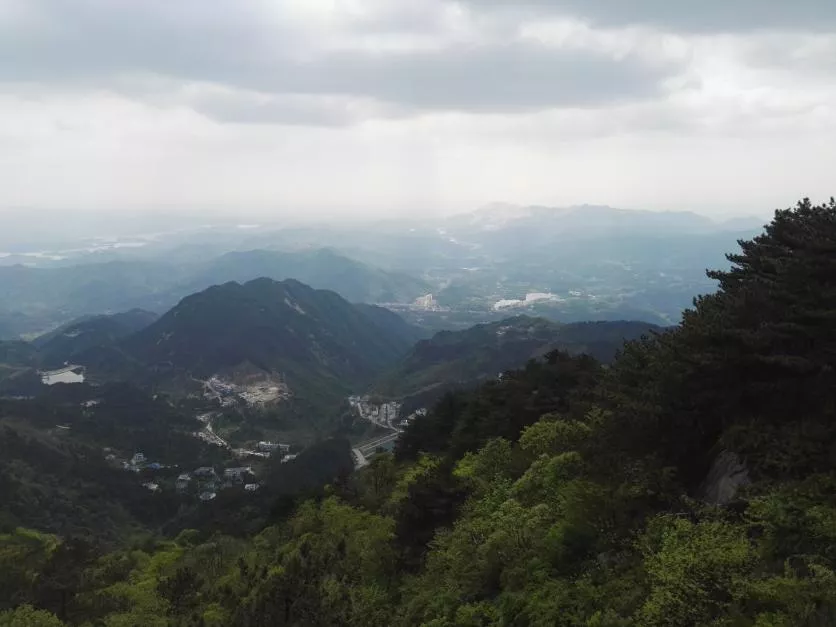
310, 336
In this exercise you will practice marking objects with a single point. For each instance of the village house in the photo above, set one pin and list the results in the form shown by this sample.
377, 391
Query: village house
183, 482
237, 474
271, 447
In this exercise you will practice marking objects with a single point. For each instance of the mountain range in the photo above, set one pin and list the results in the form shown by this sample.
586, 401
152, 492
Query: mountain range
592, 220
37, 298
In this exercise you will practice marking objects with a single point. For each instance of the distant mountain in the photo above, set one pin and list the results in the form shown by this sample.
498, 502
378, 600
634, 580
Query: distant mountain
95, 332
320, 343
82, 289
34, 299
321, 269
507, 228
462, 358
595, 220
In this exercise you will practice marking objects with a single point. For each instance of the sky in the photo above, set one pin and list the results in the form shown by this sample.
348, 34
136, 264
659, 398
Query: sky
388, 108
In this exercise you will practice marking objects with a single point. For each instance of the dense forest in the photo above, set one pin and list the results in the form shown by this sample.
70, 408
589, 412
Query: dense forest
689, 483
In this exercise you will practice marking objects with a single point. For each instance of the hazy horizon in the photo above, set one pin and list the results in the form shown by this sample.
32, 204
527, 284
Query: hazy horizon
388, 109
69, 224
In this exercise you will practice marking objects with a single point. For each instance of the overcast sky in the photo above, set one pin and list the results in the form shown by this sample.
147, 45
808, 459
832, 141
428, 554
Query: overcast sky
393, 107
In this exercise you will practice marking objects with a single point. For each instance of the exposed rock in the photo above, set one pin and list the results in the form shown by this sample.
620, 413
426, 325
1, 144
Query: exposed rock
727, 475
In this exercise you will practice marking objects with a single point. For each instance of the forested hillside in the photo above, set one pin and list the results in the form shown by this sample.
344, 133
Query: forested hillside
68, 342
691, 483
452, 359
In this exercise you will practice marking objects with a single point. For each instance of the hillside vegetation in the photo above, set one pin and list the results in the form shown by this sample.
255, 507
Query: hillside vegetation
452, 359
67, 342
691, 483
319, 343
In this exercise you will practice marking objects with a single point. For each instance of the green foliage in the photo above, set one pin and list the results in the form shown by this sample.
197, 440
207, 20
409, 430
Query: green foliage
23, 554
71, 340
464, 421
452, 359
27, 616
316, 342
564, 495
696, 571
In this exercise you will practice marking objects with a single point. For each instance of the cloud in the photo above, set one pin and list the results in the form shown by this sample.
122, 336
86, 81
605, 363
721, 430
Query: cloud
805, 55
703, 16
391, 105
489, 78
291, 65
250, 107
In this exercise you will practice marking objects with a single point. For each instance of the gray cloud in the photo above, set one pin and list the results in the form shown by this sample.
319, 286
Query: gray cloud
512, 77
798, 54
95, 43
724, 16
245, 107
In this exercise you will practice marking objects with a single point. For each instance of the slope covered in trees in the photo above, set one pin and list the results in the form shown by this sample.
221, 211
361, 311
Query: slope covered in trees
71, 340
453, 359
689, 484
276, 326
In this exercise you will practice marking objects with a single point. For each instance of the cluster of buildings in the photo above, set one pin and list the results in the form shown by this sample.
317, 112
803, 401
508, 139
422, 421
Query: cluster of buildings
267, 391
272, 447
208, 481
205, 481
426, 303
382, 414
408, 419
135, 464
386, 414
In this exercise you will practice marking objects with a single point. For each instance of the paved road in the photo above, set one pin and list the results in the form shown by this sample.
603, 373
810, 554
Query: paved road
371, 446
360, 460
362, 450
208, 434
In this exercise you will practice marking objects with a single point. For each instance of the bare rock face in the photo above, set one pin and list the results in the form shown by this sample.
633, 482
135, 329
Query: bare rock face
727, 475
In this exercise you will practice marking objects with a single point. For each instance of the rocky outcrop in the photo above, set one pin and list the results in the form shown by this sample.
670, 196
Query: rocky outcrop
727, 475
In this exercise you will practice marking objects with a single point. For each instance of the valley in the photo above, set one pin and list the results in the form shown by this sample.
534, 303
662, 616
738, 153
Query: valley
596, 263
245, 360
259, 423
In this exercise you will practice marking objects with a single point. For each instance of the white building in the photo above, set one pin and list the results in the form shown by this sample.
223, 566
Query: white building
271, 447
237, 474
